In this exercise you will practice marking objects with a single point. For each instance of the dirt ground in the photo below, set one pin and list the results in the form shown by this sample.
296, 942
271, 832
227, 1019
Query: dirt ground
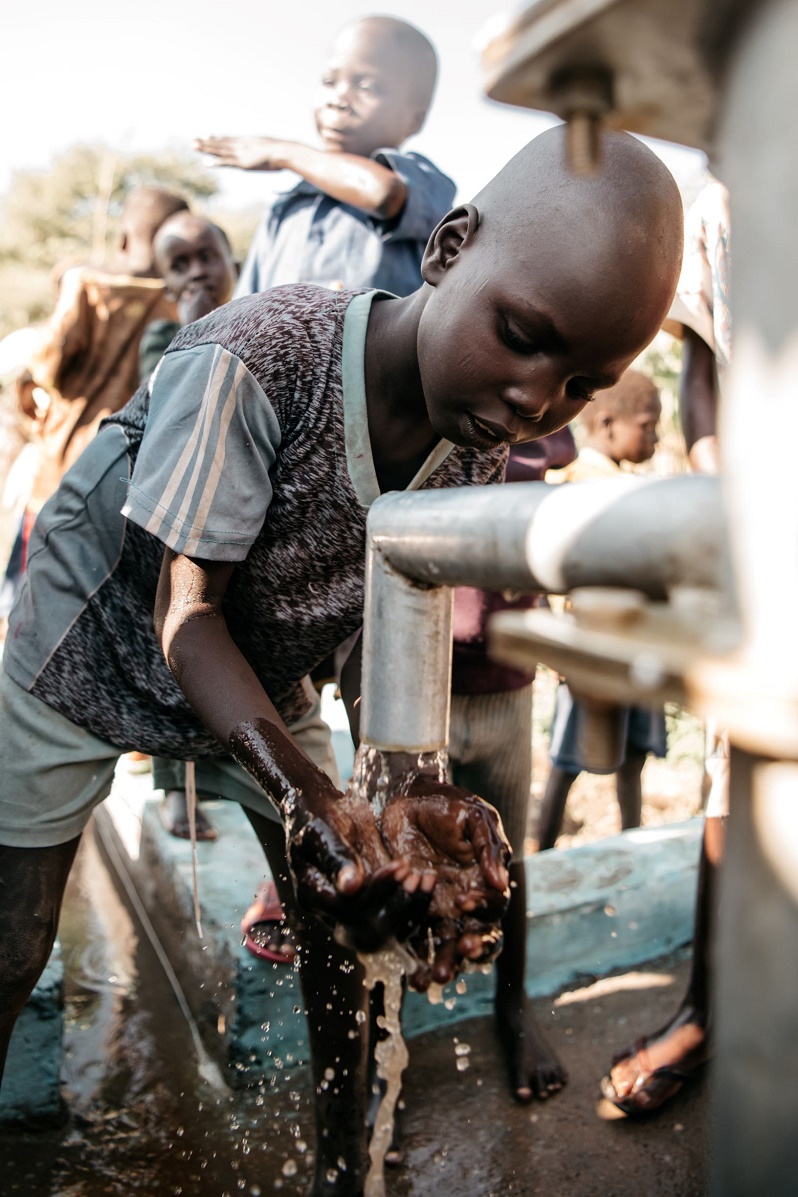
466, 1137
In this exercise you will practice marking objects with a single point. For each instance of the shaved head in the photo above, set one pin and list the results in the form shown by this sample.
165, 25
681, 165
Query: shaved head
189, 227
147, 208
624, 222
545, 289
402, 49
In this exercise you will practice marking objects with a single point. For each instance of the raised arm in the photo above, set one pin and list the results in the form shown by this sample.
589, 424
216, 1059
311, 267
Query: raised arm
350, 178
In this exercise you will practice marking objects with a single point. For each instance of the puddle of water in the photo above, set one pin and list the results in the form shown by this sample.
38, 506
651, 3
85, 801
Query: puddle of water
140, 1119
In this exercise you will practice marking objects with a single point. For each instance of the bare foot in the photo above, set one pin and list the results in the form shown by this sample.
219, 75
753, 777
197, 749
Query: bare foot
174, 816
535, 1071
645, 1076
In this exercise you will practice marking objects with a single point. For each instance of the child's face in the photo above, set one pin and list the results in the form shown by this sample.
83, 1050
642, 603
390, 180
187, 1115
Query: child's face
510, 351
366, 100
192, 256
634, 438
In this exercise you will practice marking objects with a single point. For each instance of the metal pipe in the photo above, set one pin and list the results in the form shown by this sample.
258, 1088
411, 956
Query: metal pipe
525, 537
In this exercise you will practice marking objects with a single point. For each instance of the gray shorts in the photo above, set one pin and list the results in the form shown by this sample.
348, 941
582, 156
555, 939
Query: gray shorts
490, 753
53, 773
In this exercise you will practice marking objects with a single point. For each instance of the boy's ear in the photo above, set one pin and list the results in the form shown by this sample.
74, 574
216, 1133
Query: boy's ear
454, 234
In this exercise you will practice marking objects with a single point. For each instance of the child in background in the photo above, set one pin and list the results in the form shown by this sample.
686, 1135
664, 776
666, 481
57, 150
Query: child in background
621, 424
363, 210
88, 360
241, 565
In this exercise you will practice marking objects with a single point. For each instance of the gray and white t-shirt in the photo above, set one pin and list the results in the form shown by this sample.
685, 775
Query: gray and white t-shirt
251, 445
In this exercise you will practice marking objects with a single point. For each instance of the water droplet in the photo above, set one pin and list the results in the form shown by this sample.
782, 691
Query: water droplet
360, 1017
290, 1168
297, 1009
301, 1146
462, 1049
329, 1074
462, 1063
341, 1162
461, 986
332, 1176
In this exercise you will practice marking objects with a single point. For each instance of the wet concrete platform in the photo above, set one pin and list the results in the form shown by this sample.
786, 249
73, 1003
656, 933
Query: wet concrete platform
592, 909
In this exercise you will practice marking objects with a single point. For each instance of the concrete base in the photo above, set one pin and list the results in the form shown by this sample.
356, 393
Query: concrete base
592, 910
31, 1087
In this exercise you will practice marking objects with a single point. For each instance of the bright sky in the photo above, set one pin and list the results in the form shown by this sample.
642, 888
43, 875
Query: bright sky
144, 74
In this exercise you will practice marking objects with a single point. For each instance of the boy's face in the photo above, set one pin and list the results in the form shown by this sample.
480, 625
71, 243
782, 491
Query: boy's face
634, 438
192, 256
366, 99
511, 350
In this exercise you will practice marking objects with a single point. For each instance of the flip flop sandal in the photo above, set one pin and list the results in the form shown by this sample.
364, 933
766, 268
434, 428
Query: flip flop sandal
257, 925
659, 1086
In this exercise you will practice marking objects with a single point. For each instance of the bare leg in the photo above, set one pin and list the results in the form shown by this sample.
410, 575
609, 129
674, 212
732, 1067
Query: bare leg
628, 784
685, 1043
31, 892
553, 807
174, 816
534, 1068
334, 993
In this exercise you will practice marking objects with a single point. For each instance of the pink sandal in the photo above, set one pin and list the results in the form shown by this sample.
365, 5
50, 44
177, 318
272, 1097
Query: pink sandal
257, 926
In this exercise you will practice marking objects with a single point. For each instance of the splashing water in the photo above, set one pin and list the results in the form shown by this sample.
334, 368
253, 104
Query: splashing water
387, 967
375, 773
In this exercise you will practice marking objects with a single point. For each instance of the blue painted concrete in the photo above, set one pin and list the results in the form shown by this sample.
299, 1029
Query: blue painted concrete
31, 1086
592, 910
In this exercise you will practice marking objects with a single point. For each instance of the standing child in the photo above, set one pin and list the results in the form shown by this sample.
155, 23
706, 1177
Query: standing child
363, 210
240, 565
89, 358
622, 428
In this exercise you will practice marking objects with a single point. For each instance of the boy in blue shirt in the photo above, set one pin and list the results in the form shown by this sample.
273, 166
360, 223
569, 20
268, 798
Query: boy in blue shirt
363, 210
188, 630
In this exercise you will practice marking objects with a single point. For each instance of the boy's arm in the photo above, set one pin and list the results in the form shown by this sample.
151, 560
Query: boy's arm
339, 861
351, 179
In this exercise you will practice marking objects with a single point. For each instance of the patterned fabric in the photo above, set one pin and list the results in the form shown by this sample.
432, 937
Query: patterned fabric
275, 490
702, 296
307, 236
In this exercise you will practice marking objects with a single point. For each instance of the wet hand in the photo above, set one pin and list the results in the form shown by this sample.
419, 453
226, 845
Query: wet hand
247, 153
440, 827
344, 873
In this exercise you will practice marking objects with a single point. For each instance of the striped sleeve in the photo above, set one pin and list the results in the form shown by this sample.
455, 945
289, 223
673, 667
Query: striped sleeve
201, 481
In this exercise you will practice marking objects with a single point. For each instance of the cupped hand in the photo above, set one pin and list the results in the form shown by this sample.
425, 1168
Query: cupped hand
440, 827
344, 873
247, 153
